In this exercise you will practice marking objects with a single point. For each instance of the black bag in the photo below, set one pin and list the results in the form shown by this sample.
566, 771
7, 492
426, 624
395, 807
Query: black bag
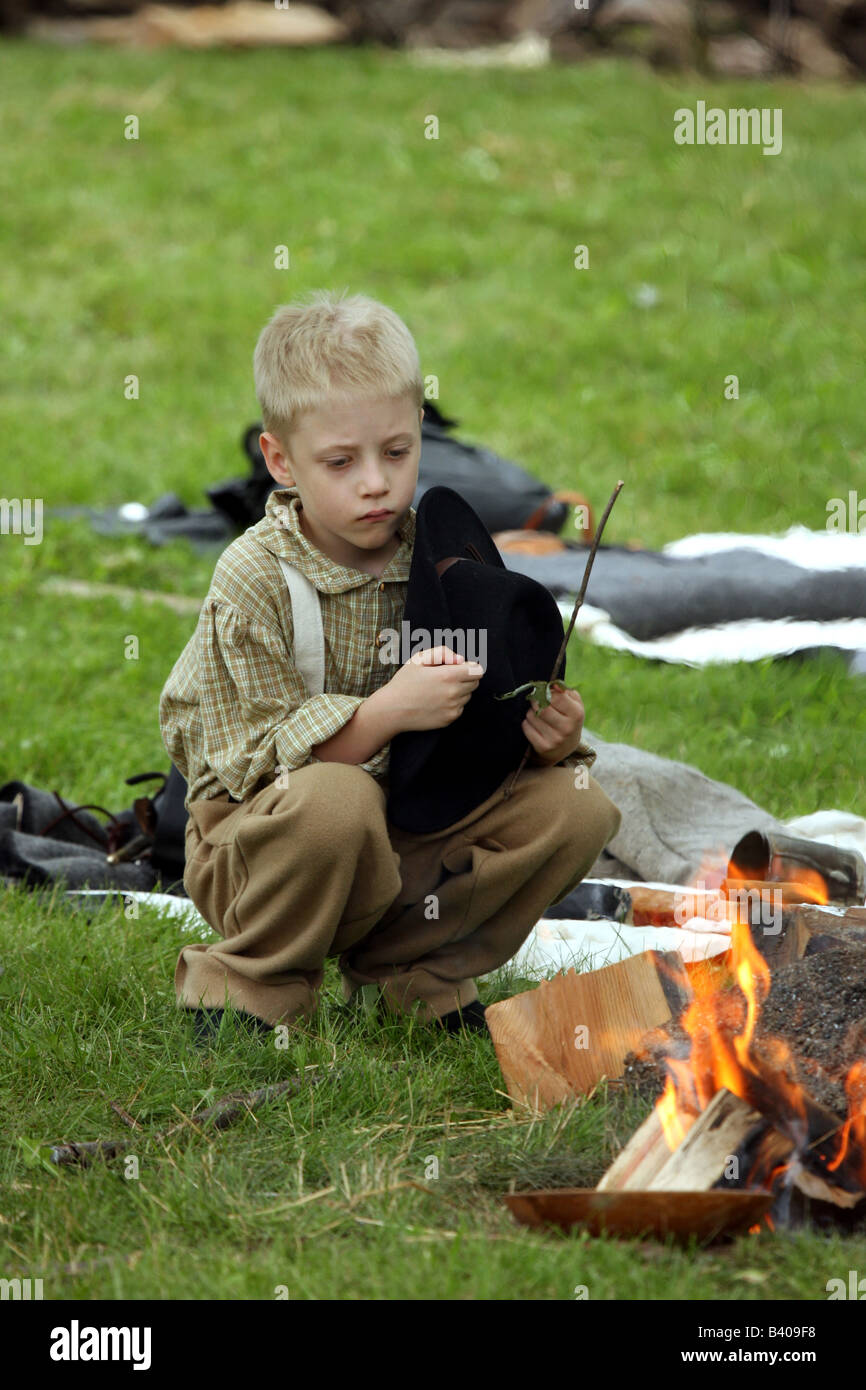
45, 838
501, 493
163, 819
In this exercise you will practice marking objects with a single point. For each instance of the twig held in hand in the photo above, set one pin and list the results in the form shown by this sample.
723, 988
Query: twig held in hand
568, 631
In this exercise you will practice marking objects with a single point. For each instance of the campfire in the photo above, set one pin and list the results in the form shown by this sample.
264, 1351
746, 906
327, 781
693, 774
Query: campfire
776, 1137
736, 1139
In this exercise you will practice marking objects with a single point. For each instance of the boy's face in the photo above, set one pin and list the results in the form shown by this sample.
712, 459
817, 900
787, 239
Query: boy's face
356, 469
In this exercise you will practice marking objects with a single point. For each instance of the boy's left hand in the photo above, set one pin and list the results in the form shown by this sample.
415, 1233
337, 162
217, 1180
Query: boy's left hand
556, 731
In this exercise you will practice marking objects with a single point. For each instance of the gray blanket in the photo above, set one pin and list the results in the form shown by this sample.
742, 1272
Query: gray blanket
649, 594
673, 817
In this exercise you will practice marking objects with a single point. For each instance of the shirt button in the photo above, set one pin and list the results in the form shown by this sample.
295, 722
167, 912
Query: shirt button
381, 586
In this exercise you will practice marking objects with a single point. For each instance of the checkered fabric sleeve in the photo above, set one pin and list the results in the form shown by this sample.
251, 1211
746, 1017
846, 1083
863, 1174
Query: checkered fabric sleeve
247, 683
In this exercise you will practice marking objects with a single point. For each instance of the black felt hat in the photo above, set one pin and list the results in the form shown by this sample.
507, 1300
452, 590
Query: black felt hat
459, 584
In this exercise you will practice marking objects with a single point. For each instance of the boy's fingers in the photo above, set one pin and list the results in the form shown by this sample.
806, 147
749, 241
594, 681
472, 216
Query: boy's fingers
566, 700
553, 719
440, 656
468, 671
540, 740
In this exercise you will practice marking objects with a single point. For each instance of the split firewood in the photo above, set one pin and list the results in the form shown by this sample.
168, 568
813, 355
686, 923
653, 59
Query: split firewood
818, 1189
789, 1120
642, 1159
717, 1145
752, 900
749, 899
781, 937
730, 1147
559, 1039
828, 928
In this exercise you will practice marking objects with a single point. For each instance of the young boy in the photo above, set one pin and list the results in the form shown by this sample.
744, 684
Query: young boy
290, 856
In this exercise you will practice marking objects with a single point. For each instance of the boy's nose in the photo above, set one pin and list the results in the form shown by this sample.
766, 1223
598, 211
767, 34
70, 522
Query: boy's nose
373, 480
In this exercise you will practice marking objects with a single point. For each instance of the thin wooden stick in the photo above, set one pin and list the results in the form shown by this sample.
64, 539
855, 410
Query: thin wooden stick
124, 1115
580, 597
222, 1114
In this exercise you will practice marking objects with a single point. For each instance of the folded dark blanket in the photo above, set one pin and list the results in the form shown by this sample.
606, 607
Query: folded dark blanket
38, 861
649, 594
40, 844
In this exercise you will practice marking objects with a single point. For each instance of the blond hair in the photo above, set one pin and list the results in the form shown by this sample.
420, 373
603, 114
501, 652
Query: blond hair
328, 345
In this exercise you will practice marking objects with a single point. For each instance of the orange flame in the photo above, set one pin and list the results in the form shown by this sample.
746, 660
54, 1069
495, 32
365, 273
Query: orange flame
670, 1118
810, 882
722, 1021
721, 1024
855, 1125
753, 976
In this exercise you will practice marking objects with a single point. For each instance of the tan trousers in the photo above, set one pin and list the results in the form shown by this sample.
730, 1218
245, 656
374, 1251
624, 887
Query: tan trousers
315, 869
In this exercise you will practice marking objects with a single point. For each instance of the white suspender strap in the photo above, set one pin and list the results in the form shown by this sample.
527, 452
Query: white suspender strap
309, 640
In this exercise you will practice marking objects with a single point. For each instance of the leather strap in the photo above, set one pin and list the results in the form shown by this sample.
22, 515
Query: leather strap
443, 565
574, 499
309, 640
449, 560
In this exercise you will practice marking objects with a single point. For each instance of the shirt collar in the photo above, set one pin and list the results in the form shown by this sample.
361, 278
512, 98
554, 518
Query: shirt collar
280, 532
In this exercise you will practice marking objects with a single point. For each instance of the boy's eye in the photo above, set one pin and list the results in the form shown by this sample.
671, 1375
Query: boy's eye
393, 453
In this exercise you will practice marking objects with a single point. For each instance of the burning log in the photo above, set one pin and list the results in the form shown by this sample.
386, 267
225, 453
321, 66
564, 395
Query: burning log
736, 898
722, 1172
798, 1145
760, 891
560, 1039
666, 1154
730, 1146
781, 941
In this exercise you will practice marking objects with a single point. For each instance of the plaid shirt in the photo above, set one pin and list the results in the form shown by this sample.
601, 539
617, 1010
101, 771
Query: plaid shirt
234, 707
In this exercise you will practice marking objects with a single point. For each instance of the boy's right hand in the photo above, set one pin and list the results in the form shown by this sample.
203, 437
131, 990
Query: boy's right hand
431, 689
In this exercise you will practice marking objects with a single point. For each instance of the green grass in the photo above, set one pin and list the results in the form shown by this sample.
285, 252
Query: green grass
155, 258
313, 1194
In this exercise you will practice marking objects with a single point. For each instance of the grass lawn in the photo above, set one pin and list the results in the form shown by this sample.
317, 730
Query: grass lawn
155, 258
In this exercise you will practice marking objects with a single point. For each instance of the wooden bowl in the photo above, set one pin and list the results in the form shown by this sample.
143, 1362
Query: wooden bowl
706, 1215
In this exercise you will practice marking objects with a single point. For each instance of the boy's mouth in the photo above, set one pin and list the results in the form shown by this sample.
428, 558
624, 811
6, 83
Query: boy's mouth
377, 515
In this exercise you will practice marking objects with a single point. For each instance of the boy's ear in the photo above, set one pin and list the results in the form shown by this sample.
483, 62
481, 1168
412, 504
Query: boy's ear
278, 465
